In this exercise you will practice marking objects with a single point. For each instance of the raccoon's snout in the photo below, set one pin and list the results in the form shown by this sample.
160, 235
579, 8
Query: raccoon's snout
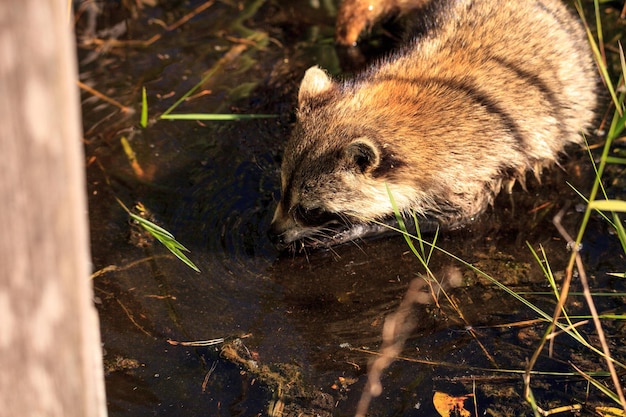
300, 223
280, 224
276, 236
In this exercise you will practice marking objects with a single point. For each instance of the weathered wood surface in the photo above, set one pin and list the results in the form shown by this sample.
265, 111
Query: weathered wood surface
50, 354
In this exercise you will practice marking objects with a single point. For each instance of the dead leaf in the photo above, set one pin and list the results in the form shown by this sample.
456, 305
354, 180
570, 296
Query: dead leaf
447, 405
610, 412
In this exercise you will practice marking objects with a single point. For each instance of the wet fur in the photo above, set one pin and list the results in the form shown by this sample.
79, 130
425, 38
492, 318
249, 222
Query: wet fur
484, 92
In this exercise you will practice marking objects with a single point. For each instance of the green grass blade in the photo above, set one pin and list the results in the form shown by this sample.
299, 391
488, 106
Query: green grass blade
418, 231
597, 53
216, 117
619, 125
177, 252
621, 233
615, 159
144, 108
232, 54
163, 236
403, 229
608, 205
600, 386
622, 59
566, 328
155, 229
586, 200
166, 238
432, 247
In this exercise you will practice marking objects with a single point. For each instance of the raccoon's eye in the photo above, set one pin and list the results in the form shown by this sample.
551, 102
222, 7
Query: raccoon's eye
312, 217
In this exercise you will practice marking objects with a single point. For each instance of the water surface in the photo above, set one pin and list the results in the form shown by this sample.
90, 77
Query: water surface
299, 330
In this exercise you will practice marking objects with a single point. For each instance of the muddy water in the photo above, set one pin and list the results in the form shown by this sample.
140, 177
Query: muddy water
298, 330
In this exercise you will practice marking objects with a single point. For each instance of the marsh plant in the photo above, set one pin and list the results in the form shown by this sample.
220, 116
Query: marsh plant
558, 322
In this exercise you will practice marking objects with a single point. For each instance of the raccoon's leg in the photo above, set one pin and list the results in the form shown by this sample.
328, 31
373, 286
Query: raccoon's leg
355, 16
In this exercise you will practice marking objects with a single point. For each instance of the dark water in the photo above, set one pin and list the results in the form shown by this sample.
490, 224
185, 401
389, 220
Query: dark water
299, 329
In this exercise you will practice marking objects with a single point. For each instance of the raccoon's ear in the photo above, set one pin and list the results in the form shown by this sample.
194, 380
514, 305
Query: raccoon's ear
363, 155
315, 84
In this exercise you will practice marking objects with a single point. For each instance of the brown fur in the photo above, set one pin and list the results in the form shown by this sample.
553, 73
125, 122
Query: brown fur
486, 91
355, 16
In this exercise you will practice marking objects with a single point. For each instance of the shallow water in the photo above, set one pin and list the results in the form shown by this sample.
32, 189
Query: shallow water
299, 329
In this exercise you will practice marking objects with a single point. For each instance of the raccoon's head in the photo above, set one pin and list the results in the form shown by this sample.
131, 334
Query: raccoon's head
336, 170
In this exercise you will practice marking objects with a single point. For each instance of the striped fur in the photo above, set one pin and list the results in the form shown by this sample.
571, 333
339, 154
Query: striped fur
483, 92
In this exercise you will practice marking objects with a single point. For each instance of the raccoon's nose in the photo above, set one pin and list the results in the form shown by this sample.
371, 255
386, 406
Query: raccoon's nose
276, 236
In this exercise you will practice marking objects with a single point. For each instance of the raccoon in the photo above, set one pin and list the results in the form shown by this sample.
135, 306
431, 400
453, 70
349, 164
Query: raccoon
481, 94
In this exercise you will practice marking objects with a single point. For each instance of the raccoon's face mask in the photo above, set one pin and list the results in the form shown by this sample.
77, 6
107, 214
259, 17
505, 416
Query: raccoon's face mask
319, 194
332, 174
330, 195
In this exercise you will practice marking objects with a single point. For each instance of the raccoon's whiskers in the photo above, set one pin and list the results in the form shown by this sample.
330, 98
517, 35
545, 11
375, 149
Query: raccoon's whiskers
303, 249
306, 255
355, 243
330, 247
346, 220
326, 240
315, 241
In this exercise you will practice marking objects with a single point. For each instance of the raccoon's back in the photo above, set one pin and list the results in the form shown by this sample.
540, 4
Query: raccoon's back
526, 61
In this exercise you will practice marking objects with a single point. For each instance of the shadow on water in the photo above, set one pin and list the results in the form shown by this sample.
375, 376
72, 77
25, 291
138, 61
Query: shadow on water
299, 329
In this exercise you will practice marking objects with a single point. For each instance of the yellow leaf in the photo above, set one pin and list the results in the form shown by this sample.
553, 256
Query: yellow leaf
610, 412
446, 404
608, 205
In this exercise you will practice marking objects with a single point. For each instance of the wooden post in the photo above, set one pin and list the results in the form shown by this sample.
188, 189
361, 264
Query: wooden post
50, 353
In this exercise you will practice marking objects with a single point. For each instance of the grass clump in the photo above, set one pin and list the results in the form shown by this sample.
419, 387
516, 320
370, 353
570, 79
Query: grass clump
560, 321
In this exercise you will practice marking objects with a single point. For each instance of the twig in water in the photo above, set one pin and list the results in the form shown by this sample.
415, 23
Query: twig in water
592, 308
104, 97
